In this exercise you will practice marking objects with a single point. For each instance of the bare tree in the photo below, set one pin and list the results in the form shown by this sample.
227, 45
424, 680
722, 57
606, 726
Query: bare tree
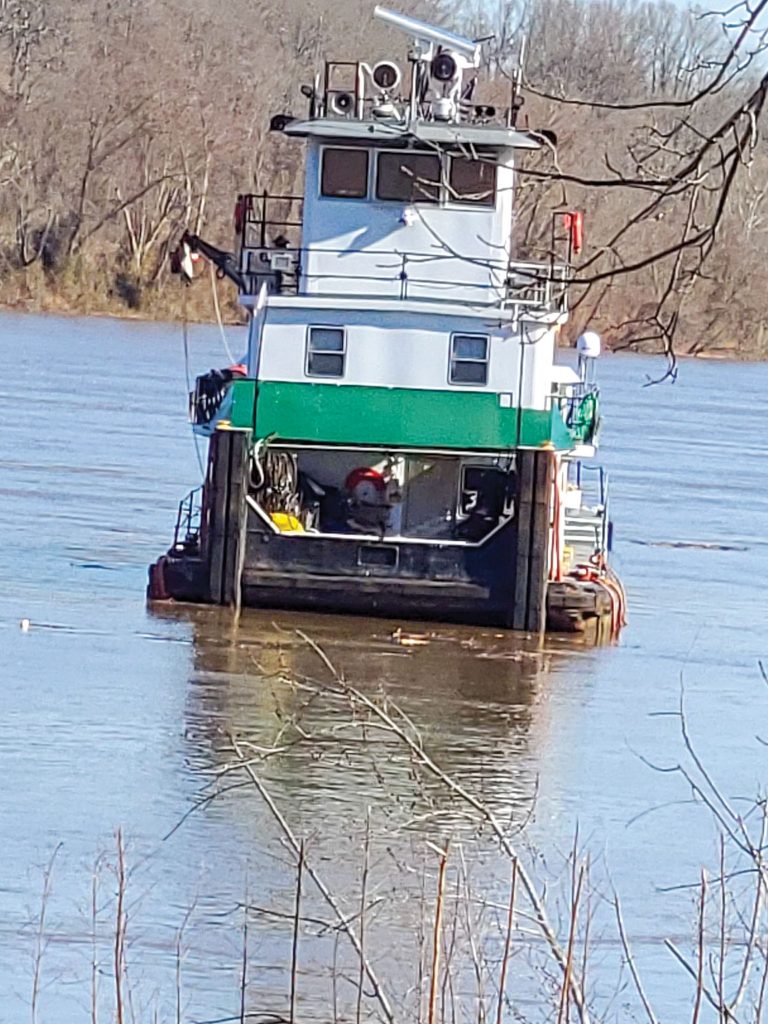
120, 125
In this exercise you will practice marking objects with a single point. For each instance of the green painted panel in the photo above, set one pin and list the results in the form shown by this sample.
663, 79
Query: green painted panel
399, 417
559, 434
243, 398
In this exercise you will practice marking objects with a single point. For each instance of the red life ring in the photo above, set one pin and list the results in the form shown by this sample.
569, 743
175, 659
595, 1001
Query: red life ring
366, 485
365, 473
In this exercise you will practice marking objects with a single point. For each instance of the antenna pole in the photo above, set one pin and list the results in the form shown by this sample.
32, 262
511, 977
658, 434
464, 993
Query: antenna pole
520, 65
517, 84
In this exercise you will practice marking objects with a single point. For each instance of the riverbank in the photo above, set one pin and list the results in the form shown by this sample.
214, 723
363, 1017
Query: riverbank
176, 303
109, 295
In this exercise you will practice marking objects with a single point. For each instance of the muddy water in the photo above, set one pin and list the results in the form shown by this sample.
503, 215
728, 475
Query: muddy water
117, 717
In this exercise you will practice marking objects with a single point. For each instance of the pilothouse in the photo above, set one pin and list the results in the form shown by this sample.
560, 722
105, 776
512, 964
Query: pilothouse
399, 439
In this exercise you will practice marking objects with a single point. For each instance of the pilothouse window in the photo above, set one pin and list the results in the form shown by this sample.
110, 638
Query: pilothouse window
408, 177
326, 348
469, 359
472, 181
345, 173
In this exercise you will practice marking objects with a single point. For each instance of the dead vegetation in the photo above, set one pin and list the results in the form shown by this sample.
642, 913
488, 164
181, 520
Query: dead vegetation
122, 125
493, 930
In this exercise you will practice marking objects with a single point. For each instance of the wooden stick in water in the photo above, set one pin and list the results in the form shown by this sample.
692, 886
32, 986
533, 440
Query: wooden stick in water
436, 938
507, 941
296, 925
363, 897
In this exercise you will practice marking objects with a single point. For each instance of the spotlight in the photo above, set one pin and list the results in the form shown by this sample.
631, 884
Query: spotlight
444, 67
386, 75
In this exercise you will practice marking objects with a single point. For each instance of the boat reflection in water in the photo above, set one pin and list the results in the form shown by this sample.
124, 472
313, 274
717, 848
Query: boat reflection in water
475, 695
477, 699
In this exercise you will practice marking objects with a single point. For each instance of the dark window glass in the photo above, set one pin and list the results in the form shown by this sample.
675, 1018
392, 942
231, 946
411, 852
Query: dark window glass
470, 346
472, 181
408, 177
469, 373
469, 359
326, 339
345, 173
325, 352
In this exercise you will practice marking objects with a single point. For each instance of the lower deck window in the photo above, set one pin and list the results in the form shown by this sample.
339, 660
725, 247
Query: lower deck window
469, 359
326, 349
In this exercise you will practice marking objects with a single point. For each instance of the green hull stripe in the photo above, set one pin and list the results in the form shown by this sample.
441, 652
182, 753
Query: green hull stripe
394, 417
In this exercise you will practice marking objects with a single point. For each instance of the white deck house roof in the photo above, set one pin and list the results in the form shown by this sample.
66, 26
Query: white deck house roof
429, 132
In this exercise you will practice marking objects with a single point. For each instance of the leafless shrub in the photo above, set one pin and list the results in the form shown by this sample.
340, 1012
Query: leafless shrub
521, 941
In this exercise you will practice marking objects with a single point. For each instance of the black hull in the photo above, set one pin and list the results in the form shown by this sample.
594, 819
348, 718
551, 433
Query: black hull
326, 575
571, 607
501, 582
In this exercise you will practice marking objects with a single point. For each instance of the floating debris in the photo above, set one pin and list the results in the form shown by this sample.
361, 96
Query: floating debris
703, 545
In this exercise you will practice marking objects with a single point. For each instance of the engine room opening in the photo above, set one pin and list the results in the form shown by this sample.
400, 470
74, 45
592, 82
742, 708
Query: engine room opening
395, 495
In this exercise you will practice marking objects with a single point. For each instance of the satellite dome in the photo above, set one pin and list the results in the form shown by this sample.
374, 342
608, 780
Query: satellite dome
589, 345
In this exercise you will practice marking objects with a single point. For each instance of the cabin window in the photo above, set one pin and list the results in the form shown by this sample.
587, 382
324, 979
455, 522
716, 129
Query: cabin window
469, 359
408, 177
472, 181
326, 350
345, 173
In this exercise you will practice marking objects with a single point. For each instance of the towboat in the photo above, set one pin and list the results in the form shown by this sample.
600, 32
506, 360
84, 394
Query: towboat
399, 439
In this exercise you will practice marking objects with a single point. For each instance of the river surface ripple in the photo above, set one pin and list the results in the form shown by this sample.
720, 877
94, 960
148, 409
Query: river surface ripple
117, 717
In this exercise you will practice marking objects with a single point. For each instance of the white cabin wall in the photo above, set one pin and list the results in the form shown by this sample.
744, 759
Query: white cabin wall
505, 204
453, 244
406, 350
537, 356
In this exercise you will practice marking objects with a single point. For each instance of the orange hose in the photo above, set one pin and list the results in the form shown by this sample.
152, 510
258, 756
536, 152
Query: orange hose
555, 553
598, 572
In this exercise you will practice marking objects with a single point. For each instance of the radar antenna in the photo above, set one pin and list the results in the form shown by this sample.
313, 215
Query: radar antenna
423, 33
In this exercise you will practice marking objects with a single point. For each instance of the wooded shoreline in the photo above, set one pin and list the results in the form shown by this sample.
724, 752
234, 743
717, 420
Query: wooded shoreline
122, 126
199, 312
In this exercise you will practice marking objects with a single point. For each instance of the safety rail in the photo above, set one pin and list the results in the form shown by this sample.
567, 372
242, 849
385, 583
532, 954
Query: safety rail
600, 473
343, 95
188, 519
404, 276
268, 226
541, 284
580, 410
600, 498
258, 212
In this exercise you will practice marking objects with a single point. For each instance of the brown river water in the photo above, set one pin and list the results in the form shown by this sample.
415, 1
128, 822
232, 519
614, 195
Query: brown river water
116, 716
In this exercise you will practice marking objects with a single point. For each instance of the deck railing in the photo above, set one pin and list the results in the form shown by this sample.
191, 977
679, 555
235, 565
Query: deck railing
188, 519
593, 482
579, 407
269, 232
403, 276
262, 218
